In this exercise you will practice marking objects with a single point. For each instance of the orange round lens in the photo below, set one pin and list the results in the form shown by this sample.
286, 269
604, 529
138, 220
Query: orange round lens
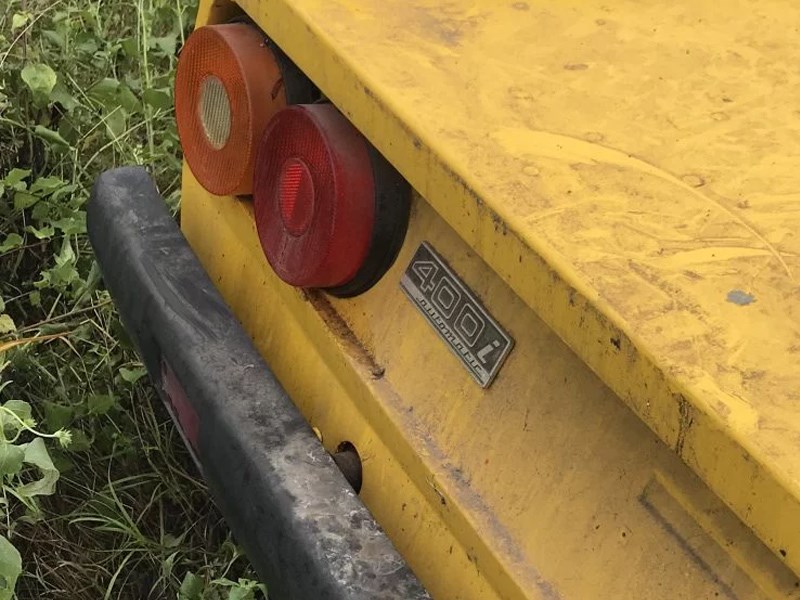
227, 87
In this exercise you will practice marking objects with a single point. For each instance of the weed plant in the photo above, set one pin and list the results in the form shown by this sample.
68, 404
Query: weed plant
99, 498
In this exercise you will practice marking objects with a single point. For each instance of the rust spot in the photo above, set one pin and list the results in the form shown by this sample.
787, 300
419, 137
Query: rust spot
520, 6
340, 327
686, 413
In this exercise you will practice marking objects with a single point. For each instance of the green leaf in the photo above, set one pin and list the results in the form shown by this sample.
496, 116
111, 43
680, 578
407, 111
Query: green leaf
16, 176
73, 224
62, 95
13, 240
45, 233
128, 100
50, 136
100, 404
36, 454
40, 78
23, 200
132, 375
57, 416
41, 212
191, 588
2, 304
86, 43
105, 92
165, 44
46, 185
7, 325
158, 98
116, 123
19, 20
11, 457
10, 568
241, 593
22, 410
130, 47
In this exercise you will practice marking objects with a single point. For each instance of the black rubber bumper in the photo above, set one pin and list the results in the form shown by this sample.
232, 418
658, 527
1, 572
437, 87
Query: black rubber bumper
304, 529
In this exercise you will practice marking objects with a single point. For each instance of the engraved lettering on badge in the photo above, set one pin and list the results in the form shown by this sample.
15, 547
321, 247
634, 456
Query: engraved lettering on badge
456, 314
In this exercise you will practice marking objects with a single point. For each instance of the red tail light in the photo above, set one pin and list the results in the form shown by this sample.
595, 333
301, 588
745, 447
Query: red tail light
230, 81
330, 212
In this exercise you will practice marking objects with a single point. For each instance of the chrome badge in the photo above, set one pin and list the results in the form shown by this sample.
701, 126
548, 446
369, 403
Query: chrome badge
456, 315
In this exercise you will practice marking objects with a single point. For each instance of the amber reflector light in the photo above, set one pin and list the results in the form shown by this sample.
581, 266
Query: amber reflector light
227, 87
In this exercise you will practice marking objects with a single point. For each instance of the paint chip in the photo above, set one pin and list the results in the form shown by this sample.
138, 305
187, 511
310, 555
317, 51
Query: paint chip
741, 298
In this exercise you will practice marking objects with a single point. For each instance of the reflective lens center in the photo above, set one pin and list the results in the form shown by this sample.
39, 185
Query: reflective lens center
296, 196
215, 112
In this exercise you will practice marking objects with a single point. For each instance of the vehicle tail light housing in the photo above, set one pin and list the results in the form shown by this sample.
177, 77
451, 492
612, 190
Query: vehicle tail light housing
230, 81
330, 211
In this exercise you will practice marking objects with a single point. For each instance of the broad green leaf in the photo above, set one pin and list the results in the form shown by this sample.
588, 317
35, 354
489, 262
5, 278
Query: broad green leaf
132, 375
2, 304
158, 98
35, 298
13, 240
10, 568
23, 200
50, 136
105, 92
165, 44
100, 404
21, 414
191, 587
116, 123
16, 176
54, 37
36, 454
73, 224
40, 78
130, 47
62, 95
45, 233
86, 43
19, 20
57, 416
46, 185
7, 325
242, 592
128, 100
11, 457
41, 212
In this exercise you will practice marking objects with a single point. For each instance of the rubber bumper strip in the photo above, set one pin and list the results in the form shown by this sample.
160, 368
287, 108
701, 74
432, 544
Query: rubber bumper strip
306, 532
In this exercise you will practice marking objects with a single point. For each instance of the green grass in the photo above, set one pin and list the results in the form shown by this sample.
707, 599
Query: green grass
107, 503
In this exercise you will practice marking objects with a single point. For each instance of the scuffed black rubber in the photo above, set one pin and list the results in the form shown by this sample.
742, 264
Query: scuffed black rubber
304, 529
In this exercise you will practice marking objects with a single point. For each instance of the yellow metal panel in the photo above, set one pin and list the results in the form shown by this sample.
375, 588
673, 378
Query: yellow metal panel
631, 171
543, 486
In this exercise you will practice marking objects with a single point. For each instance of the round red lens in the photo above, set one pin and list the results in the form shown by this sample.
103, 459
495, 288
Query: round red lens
314, 196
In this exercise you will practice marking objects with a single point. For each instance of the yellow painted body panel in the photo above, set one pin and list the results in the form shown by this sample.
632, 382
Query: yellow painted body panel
606, 174
543, 486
